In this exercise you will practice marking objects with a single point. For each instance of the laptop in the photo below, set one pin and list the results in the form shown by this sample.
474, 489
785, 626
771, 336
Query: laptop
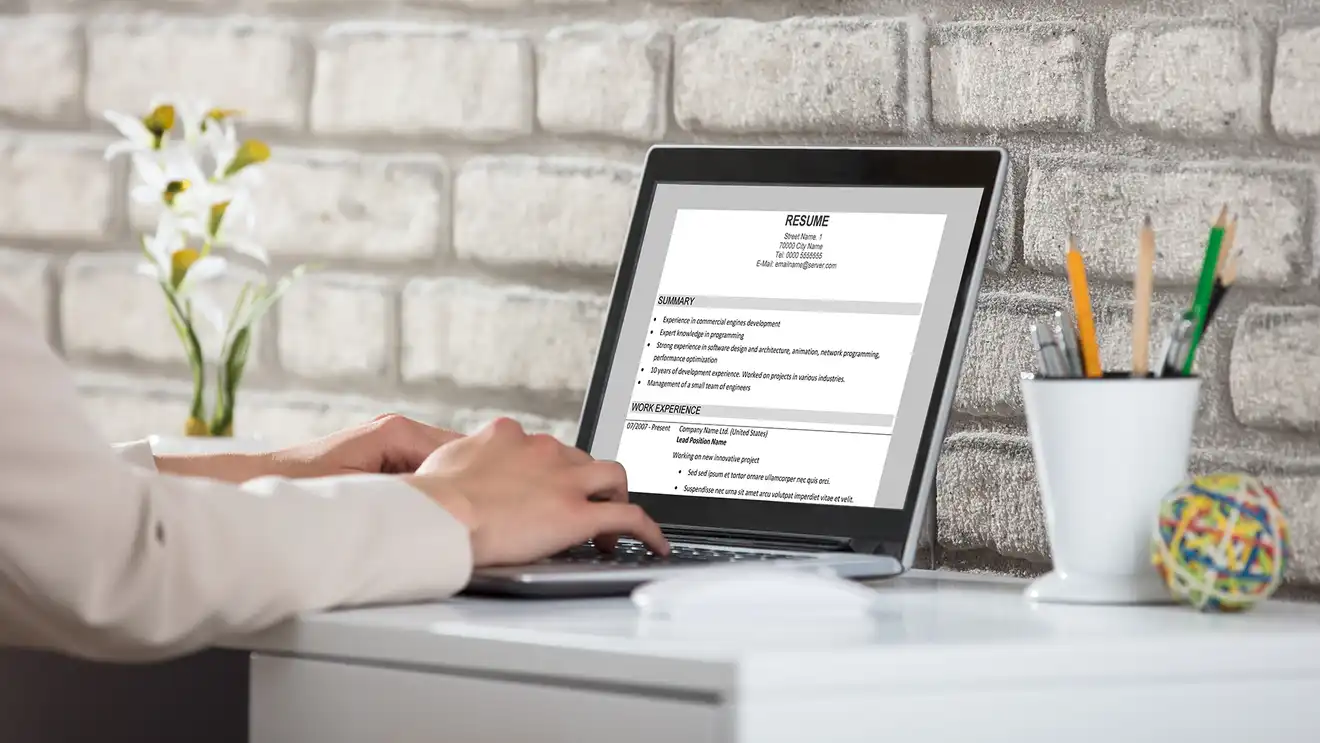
779, 358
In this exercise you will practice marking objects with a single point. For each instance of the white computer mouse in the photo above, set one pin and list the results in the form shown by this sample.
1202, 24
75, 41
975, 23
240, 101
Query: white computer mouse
758, 591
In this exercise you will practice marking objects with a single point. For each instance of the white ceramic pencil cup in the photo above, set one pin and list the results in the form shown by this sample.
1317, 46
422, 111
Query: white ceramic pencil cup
1107, 450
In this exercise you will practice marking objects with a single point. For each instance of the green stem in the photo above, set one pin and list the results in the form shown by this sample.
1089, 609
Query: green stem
183, 326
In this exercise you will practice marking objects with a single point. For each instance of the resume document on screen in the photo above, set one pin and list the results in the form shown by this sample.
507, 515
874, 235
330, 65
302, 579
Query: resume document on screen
777, 348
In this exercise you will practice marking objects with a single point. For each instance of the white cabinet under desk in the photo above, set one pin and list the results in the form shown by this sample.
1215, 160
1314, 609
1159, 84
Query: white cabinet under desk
949, 657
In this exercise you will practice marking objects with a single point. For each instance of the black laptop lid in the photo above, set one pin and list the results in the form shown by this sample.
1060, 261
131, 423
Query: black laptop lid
785, 332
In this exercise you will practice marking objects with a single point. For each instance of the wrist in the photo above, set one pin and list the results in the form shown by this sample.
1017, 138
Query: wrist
234, 468
447, 497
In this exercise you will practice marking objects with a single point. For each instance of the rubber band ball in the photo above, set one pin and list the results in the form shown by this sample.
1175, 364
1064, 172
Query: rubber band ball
1221, 542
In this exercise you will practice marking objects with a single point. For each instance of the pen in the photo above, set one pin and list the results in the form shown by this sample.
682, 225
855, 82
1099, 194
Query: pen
1142, 287
1067, 337
1090, 350
1179, 346
1204, 289
1047, 353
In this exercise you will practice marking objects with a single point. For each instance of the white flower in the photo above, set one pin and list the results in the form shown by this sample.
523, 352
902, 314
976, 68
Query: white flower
137, 138
172, 263
141, 135
237, 226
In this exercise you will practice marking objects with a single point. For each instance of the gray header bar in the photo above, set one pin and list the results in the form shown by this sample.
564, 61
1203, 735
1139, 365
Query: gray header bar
697, 410
666, 301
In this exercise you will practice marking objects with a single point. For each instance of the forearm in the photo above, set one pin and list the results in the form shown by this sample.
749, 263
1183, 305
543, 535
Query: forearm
103, 559
231, 468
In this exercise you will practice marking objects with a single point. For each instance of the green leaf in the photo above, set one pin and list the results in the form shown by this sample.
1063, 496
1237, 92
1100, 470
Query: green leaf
182, 322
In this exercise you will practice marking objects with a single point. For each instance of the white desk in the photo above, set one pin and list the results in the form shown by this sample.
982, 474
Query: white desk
955, 658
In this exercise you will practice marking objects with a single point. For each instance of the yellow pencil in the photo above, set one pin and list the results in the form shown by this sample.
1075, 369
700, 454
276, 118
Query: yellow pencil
1142, 286
1090, 350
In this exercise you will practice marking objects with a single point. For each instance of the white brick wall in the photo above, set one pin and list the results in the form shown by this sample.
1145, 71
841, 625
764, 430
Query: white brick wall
1192, 79
560, 211
252, 66
328, 204
1295, 105
25, 281
40, 66
1011, 77
1102, 199
485, 336
1275, 376
55, 187
338, 325
463, 172
458, 81
601, 79
734, 75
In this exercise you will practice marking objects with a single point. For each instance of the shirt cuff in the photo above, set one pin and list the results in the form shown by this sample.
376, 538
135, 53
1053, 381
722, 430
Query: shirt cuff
411, 548
137, 453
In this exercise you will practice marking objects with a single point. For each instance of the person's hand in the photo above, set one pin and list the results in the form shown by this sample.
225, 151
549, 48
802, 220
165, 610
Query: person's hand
390, 444
525, 497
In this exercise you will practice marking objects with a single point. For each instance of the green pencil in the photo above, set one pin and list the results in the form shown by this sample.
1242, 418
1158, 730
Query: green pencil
1205, 289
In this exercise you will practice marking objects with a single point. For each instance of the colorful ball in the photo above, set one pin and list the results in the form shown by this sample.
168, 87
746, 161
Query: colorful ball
1221, 543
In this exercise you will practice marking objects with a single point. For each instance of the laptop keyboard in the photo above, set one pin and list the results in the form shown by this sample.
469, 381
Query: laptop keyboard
636, 554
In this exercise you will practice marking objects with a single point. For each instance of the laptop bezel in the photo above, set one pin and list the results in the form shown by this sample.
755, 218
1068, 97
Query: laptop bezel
895, 530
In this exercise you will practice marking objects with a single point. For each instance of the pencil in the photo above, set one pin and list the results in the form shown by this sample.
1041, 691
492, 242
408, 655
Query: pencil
1222, 285
1143, 285
1205, 288
1226, 249
1082, 311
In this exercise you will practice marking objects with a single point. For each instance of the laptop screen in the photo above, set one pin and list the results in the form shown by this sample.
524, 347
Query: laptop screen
781, 343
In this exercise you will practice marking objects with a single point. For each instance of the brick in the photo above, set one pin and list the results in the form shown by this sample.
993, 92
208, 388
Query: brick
133, 408
1274, 377
1104, 200
499, 336
450, 80
1011, 77
258, 67
471, 421
830, 75
1295, 104
988, 497
107, 309
25, 281
1196, 80
338, 325
55, 187
41, 64
560, 211
1003, 243
602, 79
1299, 497
340, 205
998, 351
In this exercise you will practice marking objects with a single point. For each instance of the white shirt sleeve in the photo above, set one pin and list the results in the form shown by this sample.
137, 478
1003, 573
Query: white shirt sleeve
103, 557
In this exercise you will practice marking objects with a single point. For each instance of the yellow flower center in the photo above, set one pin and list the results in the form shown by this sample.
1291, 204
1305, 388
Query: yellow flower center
180, 262
173, 189
159, 123
217, 217
251, 152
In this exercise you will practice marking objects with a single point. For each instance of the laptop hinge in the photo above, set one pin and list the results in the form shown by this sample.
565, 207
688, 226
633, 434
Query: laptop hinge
761, 540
